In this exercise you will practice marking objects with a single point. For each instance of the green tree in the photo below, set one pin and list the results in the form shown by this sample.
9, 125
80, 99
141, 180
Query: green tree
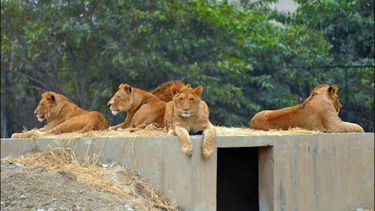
348, 26
85, 49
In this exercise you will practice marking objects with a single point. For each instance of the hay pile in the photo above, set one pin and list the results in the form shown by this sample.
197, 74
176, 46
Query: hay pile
114, 179
153, 131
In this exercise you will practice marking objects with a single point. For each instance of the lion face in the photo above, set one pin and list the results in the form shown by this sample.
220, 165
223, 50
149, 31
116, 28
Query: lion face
186, 100
46, 104
122, 100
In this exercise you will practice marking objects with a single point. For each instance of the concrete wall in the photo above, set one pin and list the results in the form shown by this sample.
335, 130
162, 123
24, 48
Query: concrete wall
296, 172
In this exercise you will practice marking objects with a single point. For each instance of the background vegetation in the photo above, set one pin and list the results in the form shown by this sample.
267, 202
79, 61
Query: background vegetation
247, 56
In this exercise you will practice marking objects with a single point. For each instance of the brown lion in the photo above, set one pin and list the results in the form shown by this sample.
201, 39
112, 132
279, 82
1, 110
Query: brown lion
318, 112
143, 108
188, 114
164, 90
63, 116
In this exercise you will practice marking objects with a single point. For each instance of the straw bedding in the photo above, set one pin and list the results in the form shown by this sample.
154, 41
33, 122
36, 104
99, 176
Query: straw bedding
154, 131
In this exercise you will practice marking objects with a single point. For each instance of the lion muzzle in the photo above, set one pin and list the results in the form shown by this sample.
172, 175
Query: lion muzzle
185, 114
40, 118
114, 112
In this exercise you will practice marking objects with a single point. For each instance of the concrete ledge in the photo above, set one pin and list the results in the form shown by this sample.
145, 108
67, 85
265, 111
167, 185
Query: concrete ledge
295, 172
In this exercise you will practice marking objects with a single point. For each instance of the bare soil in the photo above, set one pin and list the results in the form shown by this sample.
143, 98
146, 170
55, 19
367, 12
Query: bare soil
34, 188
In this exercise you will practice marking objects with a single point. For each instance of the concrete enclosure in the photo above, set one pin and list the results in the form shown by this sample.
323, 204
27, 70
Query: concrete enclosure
274, 172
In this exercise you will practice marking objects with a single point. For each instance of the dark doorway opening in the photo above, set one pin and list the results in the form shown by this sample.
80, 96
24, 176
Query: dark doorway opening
237, 179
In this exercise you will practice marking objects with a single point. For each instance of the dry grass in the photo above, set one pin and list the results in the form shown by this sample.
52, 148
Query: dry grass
154, 131
114, 179
235, 131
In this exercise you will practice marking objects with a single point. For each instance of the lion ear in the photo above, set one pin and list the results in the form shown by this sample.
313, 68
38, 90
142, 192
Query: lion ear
126, 88
333, 89
198, 90
49, 96
53, 99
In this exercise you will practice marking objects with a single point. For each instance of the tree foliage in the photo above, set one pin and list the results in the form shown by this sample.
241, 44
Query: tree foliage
348, 26
241, 55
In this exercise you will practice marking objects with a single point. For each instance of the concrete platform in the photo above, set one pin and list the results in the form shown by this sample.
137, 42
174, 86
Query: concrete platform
285, 172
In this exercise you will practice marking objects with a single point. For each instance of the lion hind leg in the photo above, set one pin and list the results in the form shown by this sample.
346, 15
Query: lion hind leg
86, 129
72, 125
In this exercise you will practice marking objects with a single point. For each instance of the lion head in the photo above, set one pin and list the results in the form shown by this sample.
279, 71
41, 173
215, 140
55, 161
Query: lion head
122, 100
46, 106
330, 91
186, 100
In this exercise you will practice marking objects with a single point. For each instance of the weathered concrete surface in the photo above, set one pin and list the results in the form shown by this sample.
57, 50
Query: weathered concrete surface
324, 172
296, 172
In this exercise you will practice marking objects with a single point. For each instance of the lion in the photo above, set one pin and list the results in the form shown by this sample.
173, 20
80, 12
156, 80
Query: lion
164, 90
318, 112
143, 108
63, 116
188, 114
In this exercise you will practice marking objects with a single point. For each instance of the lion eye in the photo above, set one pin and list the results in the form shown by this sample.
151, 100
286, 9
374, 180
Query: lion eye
191, 99
181, 99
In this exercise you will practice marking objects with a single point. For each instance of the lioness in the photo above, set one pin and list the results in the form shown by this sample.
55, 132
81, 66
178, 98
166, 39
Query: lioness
163, 92
187, 113
63, 116
318, 111
143, 108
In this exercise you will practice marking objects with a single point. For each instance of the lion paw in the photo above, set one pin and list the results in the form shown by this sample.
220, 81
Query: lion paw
207, 152
187, 149
170, 132
358, 128
22, 135
39, 133
16, 135
115, 128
